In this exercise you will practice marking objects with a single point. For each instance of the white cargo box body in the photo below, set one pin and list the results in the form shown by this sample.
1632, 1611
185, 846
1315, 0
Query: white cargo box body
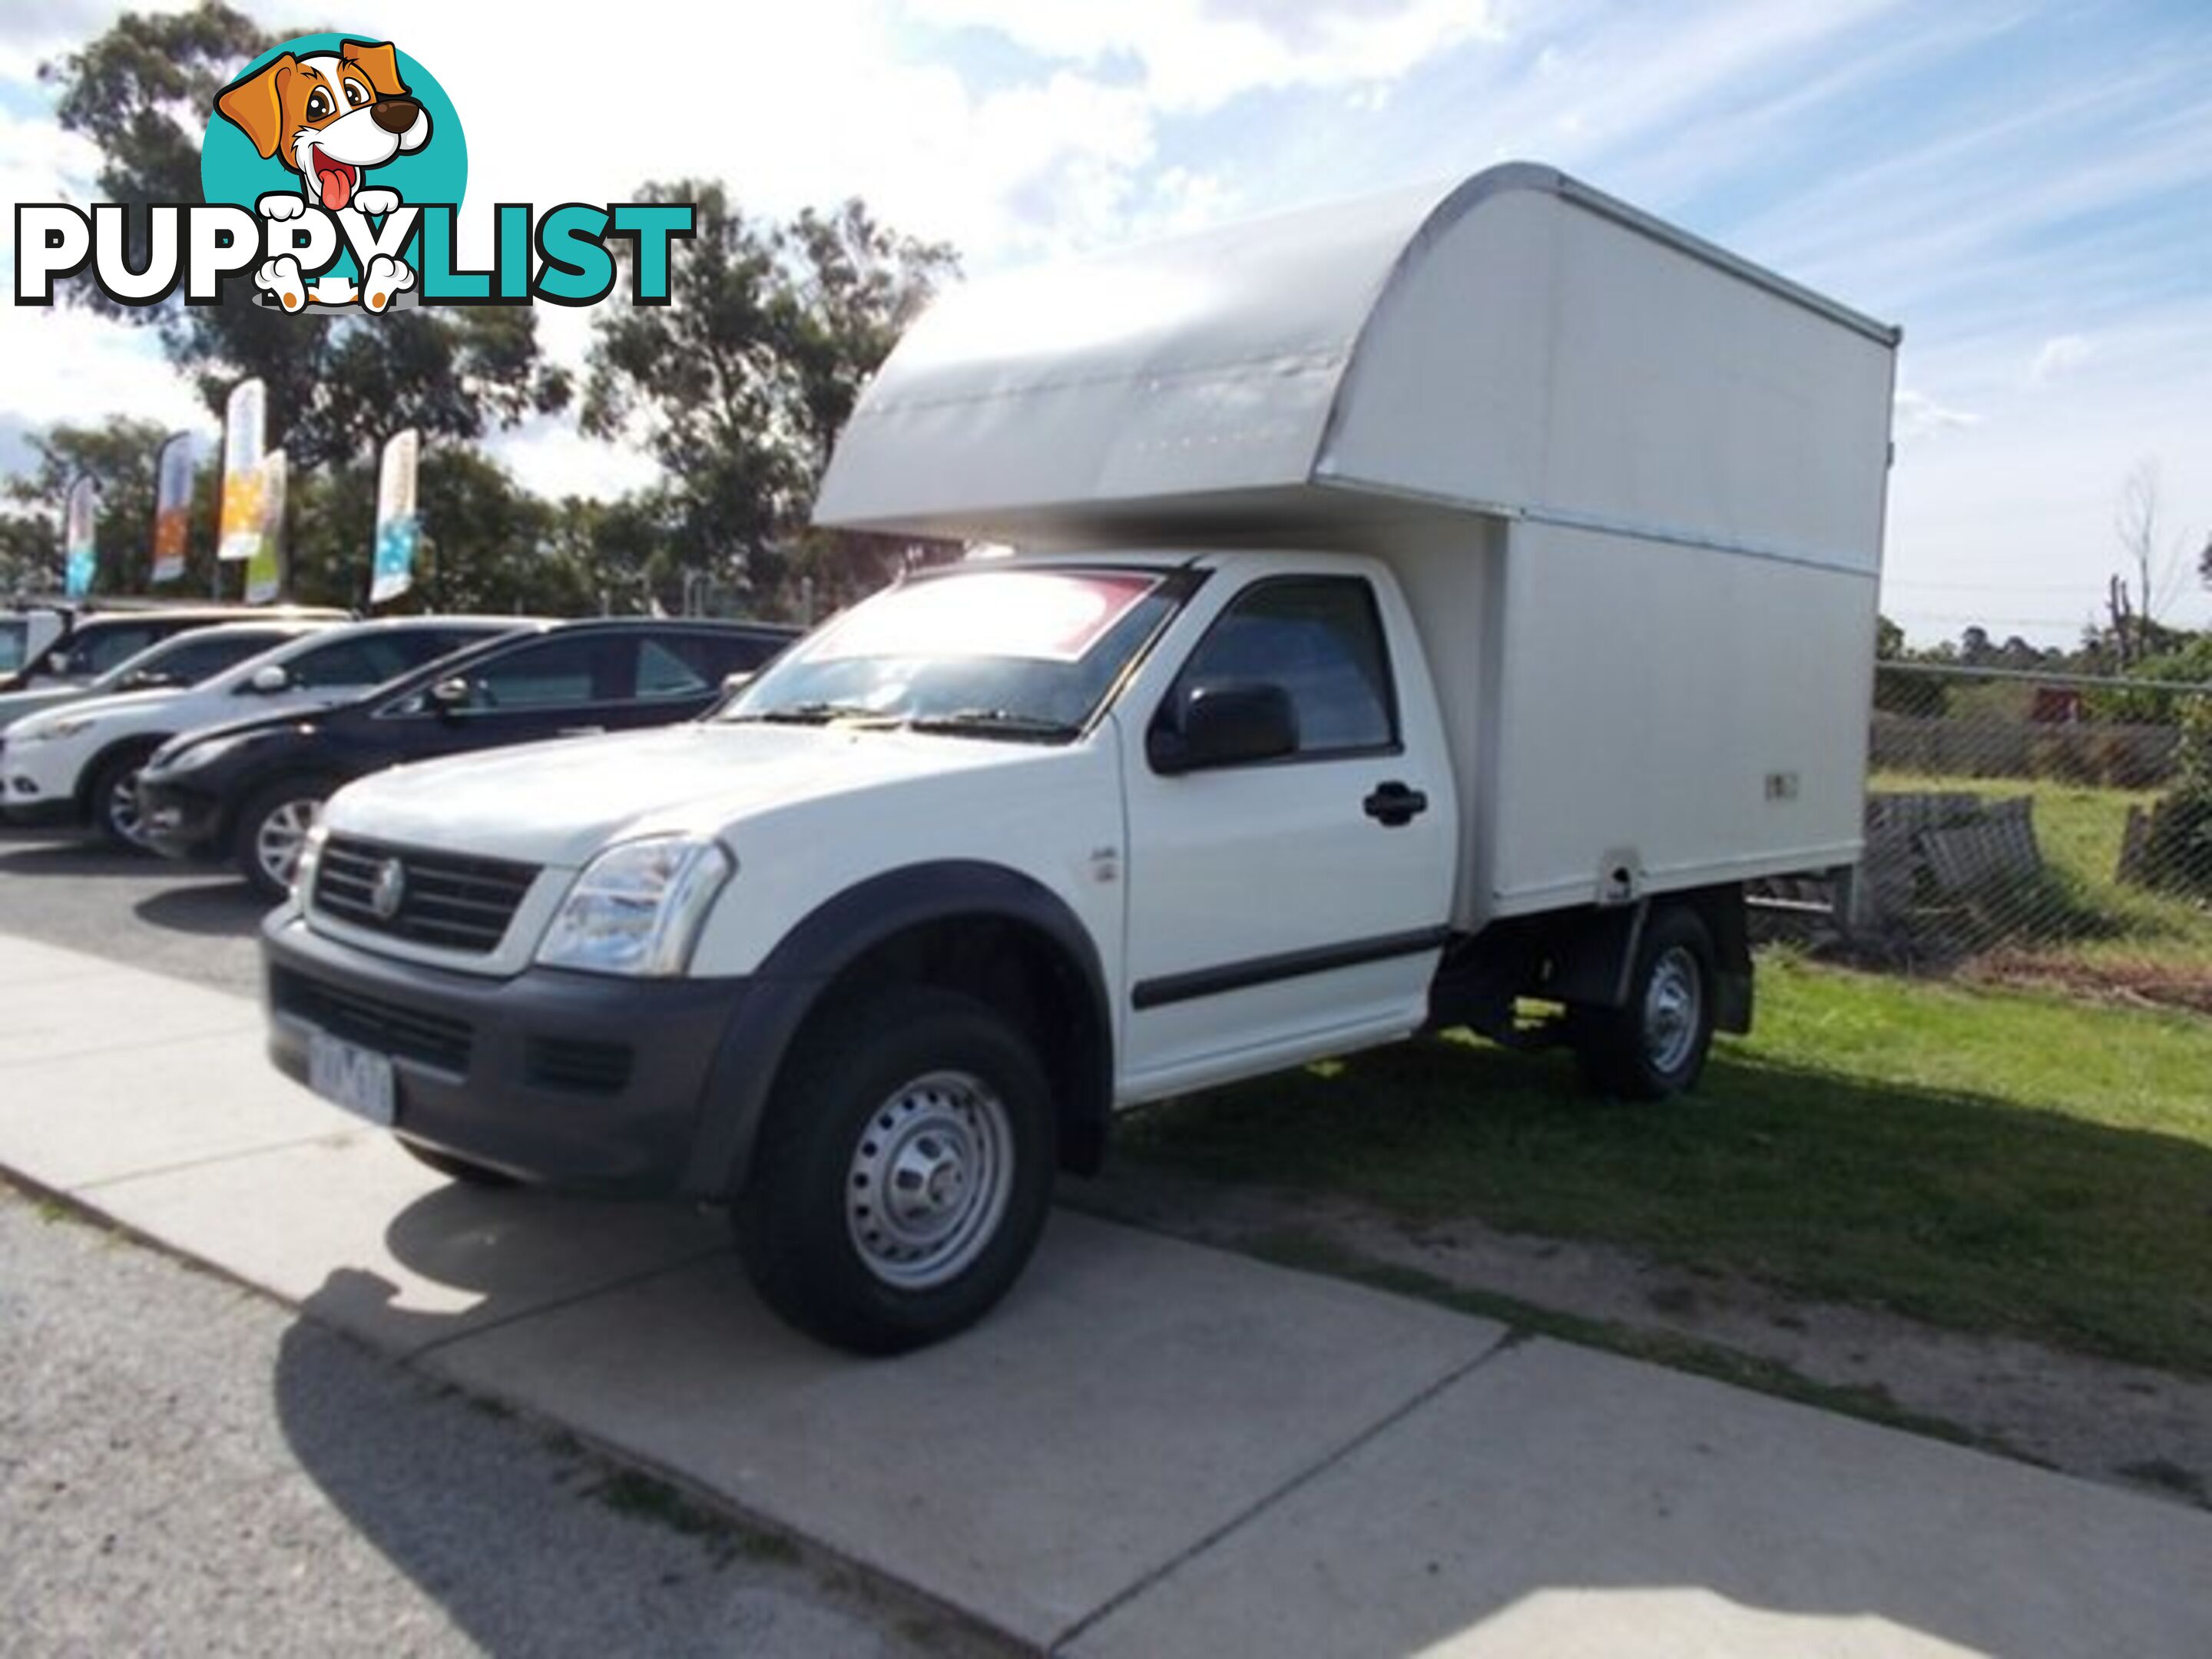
1634, 485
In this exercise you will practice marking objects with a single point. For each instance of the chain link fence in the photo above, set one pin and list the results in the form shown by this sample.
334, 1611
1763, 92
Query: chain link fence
2028, 828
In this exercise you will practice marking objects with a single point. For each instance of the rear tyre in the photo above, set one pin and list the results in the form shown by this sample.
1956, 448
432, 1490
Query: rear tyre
903, 1174
458, 1168
272, 828
1654, 1046
114, 798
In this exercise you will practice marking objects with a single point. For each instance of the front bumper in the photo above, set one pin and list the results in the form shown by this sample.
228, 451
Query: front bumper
32, 812
179, 822
40, 780
576, 1080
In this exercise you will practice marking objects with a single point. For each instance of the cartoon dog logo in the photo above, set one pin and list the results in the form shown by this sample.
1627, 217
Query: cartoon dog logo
330, 116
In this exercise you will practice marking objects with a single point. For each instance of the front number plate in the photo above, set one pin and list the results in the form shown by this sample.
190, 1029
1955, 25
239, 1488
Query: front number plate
354, 1078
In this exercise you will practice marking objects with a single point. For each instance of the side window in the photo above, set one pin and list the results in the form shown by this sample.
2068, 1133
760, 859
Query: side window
346, 662
1321, 640
193, 659
557, 672
101, 651
667, 668
371, 659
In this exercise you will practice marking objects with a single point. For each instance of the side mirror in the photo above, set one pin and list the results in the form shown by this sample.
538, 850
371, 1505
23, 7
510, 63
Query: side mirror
733, 684
273, 677
1211, 724
147, 679
451, 696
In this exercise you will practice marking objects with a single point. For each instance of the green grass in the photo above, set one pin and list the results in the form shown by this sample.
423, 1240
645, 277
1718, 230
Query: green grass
1987, 1160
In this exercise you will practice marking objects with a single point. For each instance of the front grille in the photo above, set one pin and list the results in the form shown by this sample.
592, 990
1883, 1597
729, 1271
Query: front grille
436, 1040
446, 899
580, 1067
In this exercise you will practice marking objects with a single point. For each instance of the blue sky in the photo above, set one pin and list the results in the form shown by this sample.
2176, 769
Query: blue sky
2027, 189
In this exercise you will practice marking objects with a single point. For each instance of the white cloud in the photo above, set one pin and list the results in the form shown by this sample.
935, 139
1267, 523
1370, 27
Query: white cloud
2058, 357
551, 458
1917, 415
1196, 55
39, 162
66, 365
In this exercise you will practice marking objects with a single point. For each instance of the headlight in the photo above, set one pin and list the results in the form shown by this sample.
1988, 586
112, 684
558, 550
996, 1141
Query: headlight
303, 872
48, 730
186, 756
636, 908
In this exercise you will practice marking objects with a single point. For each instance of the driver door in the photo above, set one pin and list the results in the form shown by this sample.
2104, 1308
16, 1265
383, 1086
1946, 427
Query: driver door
1275, 913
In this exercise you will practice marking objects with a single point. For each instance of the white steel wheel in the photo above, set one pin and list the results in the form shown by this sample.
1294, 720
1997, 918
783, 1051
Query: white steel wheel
1654, 1045
1674, 1006
928, 1179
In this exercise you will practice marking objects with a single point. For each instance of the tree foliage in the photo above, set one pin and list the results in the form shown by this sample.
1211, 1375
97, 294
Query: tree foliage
739, 385
143, 93
119, 457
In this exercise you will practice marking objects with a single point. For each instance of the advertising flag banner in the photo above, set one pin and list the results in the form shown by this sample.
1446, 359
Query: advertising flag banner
172, 507
265, 571
80, 539
244, 421
398, 526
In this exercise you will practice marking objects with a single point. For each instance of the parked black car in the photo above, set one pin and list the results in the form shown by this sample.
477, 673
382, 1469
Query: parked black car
252, 790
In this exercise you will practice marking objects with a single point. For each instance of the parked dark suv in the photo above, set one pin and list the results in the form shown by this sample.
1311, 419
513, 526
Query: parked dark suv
251, 791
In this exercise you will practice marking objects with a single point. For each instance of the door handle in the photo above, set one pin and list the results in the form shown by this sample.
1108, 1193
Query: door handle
581, 732
1393, 806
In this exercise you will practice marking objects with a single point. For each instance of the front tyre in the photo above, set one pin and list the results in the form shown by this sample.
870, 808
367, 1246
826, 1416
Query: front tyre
1654, 1045
113, 793
903, 1174
272, 829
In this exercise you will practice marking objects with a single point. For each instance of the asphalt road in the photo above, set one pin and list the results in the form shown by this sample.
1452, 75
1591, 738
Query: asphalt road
191, 922
187, 1467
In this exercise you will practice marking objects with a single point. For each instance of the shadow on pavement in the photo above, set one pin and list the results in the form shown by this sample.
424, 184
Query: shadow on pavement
87, 857
227, 909
528, 1543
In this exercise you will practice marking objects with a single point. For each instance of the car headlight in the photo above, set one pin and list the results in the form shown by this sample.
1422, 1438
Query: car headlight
303, 872
186, 756
47, 731
636, 908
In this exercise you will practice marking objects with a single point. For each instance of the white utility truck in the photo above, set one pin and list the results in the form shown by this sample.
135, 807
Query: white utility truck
1424, 604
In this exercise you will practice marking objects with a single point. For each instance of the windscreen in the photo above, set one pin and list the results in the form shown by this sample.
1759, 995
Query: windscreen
1016, 653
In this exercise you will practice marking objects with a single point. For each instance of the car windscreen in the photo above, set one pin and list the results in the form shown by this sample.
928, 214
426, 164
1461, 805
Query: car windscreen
1003, 653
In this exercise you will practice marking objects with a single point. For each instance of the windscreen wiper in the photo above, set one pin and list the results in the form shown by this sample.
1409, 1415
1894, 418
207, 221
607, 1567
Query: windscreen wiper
995, 723
818, 713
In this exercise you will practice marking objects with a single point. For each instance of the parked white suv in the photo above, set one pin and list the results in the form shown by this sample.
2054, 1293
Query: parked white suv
79, 765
